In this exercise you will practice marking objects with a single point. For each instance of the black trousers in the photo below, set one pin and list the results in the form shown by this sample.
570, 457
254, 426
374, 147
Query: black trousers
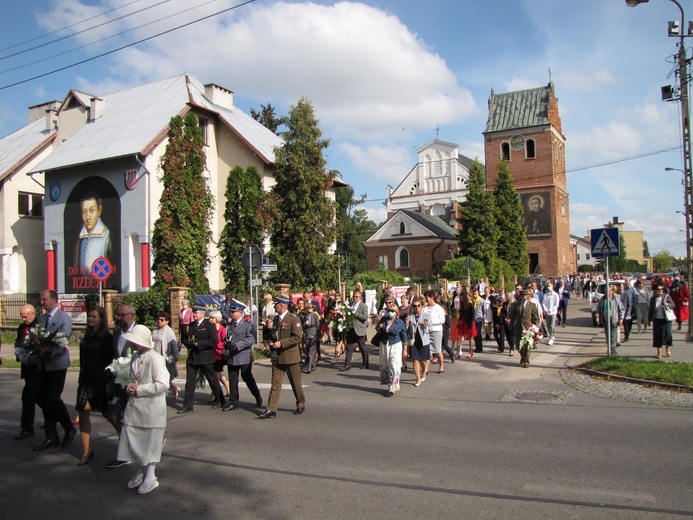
446, 343
311, 345
51, 402
246, 372
354, 341
627, 325
478, 340
30, 394
191, 378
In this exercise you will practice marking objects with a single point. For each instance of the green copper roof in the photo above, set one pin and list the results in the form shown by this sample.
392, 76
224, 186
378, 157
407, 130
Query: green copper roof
520, 109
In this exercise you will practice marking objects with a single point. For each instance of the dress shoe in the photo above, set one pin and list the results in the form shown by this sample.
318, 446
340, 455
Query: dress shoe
69, 436
267, 415
228, 407
184, 410
86, 460
23, 435
117, 463
217, 404
136, 481
46, 444
366, 365
345, 368
299, 411
147, 486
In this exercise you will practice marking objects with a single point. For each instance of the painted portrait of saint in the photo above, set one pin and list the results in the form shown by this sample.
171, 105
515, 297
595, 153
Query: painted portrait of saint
537, 214
92, 230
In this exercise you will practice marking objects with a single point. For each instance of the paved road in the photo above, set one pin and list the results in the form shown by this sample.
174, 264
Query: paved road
486, 439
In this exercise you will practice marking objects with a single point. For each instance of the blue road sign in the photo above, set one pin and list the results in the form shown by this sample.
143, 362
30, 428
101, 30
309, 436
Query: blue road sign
604, 242
101, 269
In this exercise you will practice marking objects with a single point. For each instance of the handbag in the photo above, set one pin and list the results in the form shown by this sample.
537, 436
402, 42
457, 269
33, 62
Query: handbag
669, 314
375, 340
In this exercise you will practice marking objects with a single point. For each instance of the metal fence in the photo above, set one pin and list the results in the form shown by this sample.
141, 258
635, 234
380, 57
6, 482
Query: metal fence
11, 304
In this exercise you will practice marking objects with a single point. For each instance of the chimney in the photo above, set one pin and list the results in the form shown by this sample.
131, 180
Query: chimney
51, 120
37, 112
219, 95
95, 108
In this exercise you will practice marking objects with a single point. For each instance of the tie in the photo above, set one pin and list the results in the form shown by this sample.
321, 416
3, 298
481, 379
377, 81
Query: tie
48, 320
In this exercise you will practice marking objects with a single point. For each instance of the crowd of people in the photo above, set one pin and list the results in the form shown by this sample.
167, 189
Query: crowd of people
125, 375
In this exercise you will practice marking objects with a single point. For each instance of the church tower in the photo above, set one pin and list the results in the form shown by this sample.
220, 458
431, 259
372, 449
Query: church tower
524, 128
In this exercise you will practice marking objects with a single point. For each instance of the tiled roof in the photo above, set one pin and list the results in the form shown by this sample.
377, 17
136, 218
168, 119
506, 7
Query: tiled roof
434, 224
133, 119
520, 109
20, 145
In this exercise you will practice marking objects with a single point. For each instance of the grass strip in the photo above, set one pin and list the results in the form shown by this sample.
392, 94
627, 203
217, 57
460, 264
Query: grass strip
659, 371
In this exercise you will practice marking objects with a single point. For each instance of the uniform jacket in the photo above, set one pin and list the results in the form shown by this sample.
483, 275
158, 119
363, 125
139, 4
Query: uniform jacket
201, 350
290, 333
147, 409
59, 357
240, 338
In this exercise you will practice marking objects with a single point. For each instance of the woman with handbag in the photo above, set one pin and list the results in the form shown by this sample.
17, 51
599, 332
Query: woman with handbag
392, 338
661, 315
679, 293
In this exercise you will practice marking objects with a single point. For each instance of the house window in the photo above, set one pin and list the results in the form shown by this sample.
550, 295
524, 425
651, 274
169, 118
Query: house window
578, 257
203, 127
402, 229
587, 256
30, 204
505, 151
531, 153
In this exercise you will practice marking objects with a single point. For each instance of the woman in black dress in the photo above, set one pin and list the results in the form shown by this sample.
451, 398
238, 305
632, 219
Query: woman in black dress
95, 354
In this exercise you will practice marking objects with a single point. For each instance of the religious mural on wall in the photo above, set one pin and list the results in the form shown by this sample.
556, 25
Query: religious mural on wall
537, 214
92, 230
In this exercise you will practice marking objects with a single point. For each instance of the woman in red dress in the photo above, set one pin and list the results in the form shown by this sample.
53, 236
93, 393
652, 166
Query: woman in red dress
466, 328
679, 293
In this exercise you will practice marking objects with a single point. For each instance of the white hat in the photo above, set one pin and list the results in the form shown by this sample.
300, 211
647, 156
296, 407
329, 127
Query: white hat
139, 335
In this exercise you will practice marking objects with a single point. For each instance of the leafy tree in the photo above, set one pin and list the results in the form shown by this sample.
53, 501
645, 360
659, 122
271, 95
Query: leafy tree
304, 228
373, 279
353, 227
620, 262
268, 118
645, 249
183, 230
247, 216
512, 238
663, 261
456, 269
479, 234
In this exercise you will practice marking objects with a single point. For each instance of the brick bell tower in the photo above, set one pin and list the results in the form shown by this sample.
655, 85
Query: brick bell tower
524, 128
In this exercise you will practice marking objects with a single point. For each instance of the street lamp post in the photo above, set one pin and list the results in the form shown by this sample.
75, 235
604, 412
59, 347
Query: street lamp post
681, 31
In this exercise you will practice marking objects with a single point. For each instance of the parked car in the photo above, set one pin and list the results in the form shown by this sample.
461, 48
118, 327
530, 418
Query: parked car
597, 295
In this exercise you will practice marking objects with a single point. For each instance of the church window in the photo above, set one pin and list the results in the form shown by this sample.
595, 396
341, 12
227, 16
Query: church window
402, 257
531, 153
505, 151
414, 189
402, 228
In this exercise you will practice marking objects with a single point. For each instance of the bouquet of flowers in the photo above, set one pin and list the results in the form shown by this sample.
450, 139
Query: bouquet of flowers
121, 370
530, 337
341, 317
36, 341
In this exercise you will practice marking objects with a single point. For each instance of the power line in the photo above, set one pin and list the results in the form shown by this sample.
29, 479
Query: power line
68, 27
105, 38
623, 159
124, 46
82, 31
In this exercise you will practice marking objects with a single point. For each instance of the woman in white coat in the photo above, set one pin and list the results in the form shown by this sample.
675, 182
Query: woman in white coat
144, 420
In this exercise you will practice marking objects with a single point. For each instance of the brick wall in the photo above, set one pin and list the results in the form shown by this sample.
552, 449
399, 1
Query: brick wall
423, 259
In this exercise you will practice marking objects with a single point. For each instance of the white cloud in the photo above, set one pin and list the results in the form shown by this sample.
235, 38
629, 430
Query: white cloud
593, 79
388, 164
581, 207
377, 215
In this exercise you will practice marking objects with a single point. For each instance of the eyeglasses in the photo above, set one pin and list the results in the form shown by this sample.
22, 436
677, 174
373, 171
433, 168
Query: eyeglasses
161, 319
120, 315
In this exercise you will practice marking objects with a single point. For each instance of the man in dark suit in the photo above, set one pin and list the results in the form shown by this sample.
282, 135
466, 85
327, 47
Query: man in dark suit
286, 358
126, 320
54, 364
240, 338
201, 342
29, 371
523, 314
356, 334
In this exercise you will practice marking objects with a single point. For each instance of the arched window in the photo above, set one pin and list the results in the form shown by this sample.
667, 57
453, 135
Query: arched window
505, 151
531, 153
402, 228
402, 257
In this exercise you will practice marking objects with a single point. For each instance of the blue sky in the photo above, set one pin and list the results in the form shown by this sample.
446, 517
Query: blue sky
384, 74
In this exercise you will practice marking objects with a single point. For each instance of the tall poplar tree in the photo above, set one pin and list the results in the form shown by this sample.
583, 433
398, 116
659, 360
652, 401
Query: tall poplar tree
304, 228
353, 228
247, 217
183, 230
479, 234
512, 238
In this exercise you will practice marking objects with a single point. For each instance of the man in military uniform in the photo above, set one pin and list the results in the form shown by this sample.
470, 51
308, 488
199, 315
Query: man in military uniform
201, 342
286, 358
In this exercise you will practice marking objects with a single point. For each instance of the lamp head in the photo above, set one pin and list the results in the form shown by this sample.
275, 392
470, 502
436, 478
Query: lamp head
633, 3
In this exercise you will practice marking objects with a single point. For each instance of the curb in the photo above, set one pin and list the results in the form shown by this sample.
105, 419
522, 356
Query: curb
645, 382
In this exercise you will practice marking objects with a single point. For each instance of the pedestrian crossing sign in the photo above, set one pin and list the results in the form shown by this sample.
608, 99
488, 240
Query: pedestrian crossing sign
604, 242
